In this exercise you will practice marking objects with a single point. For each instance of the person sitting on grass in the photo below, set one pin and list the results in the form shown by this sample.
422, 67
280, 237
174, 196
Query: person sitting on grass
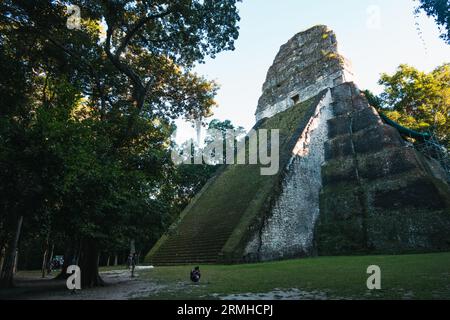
195, 275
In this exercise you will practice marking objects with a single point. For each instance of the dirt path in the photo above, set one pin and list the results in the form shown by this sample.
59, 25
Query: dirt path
119, 286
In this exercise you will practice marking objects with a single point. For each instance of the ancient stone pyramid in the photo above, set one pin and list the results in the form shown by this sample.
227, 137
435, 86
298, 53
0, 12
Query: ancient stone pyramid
347, 184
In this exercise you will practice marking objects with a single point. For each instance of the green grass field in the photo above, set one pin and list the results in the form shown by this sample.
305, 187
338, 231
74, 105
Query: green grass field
419, 276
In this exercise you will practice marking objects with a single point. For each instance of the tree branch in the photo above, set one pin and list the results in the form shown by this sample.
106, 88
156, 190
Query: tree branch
115, 60
89, 66
137, 26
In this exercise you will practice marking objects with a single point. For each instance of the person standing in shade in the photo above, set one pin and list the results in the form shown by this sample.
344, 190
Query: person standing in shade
133, 264
129, 261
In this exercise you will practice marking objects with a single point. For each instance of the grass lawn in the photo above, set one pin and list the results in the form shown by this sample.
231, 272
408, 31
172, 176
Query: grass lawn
418, 276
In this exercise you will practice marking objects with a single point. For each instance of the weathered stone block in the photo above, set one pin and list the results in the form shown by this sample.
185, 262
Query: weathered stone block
342, 92
417, 192
340, 228
340, 237
403, 230
340, 146
376, 138
387, 163
342, 107
359, 102
340, 170
341, 202
339, 126
345, 105
365, 118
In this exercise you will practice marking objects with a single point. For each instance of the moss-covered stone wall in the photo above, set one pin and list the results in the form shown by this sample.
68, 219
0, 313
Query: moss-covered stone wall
379, 194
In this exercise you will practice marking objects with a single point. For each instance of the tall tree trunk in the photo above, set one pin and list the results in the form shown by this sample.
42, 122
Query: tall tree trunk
7, 273
132, 247
44, 263
108, 260
50, 258
69, 257
116, 260
78, 253
2, 256
16, 262
89, 258
45, 257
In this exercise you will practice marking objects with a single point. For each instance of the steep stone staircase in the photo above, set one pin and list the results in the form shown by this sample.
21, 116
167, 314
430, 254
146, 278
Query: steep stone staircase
198, 240
209, 221
214, 223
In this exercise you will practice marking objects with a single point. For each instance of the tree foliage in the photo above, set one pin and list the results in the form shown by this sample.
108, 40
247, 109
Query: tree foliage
440, 11
87, 115
419, 100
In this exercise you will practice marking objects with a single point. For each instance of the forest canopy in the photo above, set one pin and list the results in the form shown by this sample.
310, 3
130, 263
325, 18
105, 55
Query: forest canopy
89, 96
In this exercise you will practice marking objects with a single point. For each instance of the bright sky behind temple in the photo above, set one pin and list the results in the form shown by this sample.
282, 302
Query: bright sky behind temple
375, 35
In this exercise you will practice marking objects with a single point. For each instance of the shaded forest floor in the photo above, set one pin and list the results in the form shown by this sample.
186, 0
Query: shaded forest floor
119, 286
418, 276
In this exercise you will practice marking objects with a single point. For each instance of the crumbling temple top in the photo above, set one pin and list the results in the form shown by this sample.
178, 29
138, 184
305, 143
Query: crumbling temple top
307, 64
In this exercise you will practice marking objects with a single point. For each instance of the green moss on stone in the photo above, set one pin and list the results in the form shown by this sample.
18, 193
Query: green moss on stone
231, 207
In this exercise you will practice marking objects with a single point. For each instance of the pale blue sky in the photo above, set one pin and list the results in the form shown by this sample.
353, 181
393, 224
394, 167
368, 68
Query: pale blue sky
267, 24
